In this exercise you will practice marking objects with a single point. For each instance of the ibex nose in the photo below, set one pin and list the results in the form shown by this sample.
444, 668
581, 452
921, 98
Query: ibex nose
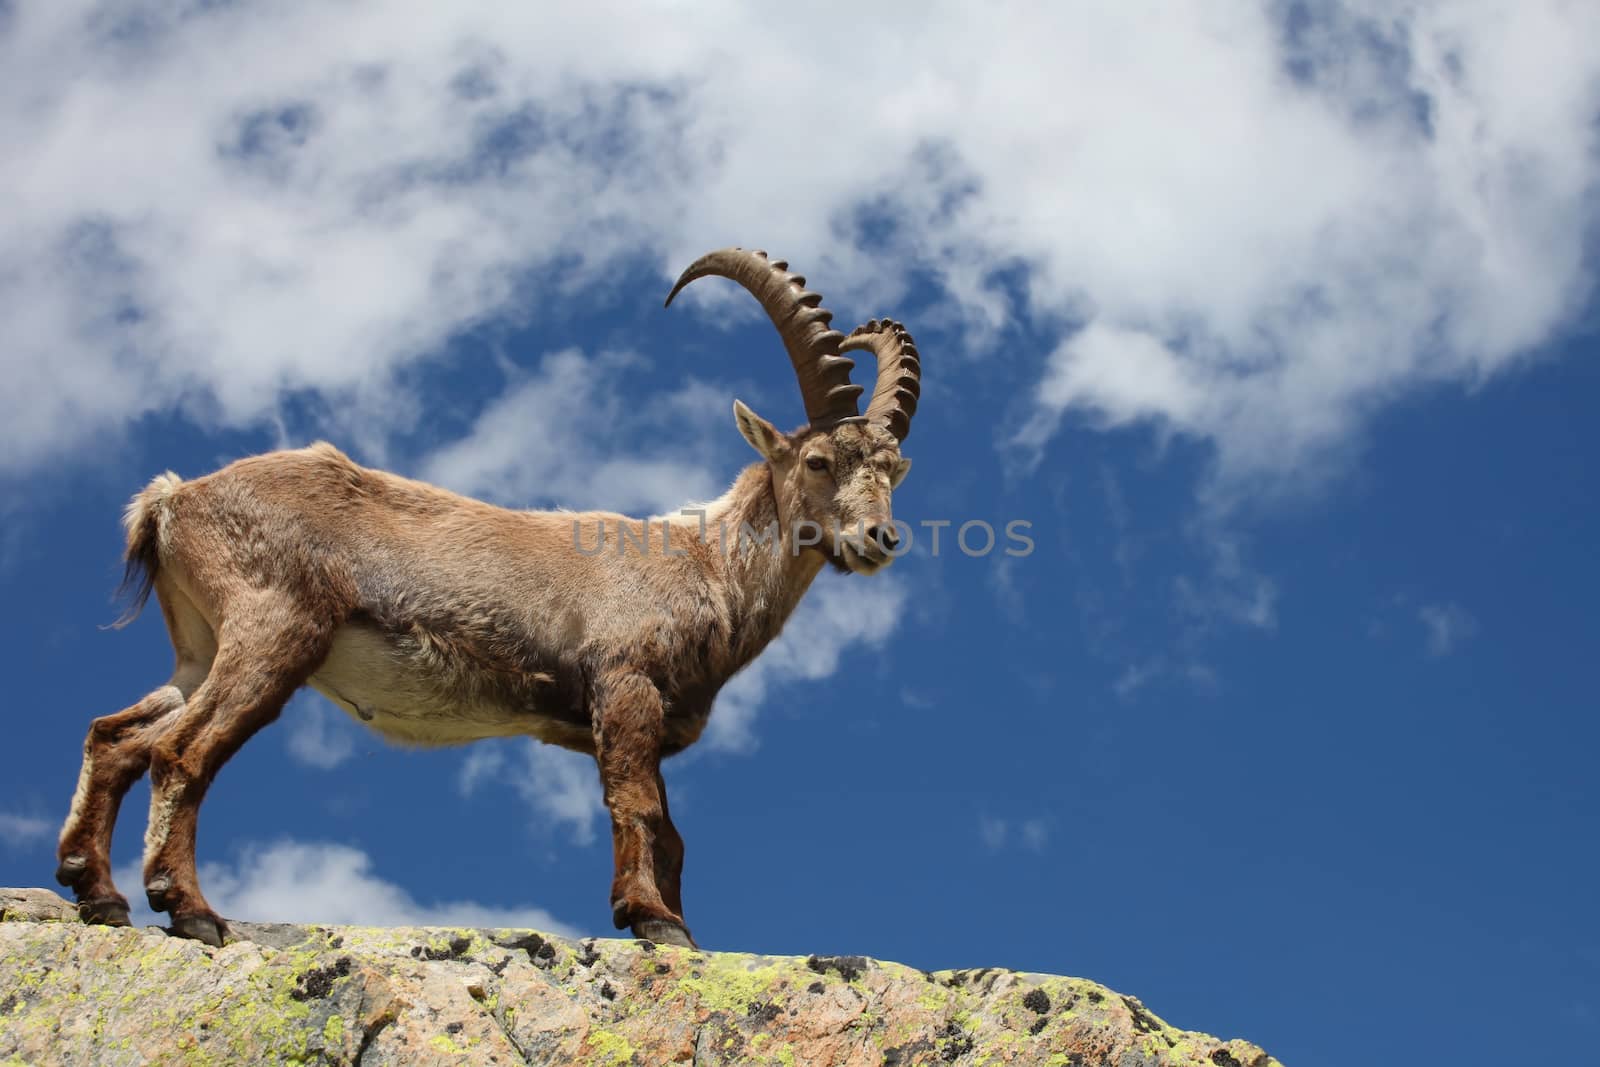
884, 535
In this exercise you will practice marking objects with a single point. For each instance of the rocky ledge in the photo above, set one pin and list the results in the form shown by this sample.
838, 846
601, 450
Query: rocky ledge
76, 994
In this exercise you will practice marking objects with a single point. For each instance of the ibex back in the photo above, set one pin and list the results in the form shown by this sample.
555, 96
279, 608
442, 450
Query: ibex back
437, 619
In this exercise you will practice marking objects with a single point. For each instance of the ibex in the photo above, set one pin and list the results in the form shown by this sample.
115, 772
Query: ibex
437, 619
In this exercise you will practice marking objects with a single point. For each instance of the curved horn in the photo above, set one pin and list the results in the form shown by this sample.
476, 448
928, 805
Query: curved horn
899, 385
802, 322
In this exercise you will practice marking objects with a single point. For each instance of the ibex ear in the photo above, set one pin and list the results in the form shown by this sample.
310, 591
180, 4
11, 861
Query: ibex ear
902, 468
762, 435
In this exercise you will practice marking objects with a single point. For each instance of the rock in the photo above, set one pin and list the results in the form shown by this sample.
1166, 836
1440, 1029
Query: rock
35, 906
76, 994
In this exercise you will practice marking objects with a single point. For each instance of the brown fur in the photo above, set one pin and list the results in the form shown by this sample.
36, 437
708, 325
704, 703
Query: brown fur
438, 619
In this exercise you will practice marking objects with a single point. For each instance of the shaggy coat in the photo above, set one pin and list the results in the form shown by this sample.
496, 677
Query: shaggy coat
436, 619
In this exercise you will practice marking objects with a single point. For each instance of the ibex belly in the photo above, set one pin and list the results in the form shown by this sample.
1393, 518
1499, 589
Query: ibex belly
410, 696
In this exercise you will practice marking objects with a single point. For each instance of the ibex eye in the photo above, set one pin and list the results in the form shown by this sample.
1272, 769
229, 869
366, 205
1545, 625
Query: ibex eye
817, 463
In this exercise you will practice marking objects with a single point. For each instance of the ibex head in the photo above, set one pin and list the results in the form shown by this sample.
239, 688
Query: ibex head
833, 478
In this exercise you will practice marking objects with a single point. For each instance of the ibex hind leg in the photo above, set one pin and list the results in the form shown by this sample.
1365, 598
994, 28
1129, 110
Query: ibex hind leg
267, 651
116, 754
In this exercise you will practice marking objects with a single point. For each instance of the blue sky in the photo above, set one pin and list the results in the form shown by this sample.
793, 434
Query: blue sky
1276, 322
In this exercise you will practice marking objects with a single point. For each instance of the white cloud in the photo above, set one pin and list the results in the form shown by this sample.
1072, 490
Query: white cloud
1032, 834
1008, 596
1265, 228
319, 882
564, 786
19, 830
1307, 249
1136, 676
1447, 625
482, 764
839, 613
1035, 834
561, 787
1128, 372
319, 734
563, 437
1231, 590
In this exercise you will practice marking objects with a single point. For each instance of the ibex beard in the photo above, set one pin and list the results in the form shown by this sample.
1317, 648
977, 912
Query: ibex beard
436, 619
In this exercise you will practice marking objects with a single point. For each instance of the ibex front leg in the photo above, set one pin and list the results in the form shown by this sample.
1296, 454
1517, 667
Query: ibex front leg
628, 728
668, 854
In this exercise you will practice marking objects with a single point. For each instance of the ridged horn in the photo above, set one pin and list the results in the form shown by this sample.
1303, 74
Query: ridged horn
899, 384
802, 322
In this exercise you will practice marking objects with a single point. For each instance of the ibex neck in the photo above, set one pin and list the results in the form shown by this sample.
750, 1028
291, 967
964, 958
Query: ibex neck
766, 575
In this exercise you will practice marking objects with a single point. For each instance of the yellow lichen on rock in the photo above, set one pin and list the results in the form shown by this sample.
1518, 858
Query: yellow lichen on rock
75, 994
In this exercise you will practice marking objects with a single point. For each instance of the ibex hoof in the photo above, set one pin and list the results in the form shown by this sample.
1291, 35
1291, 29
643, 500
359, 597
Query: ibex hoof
663, 932
104, 912
199, 927
72, 870
156, 890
